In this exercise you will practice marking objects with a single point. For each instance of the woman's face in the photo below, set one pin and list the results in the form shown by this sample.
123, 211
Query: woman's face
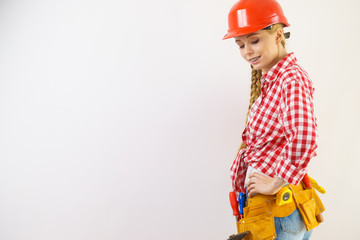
261, 49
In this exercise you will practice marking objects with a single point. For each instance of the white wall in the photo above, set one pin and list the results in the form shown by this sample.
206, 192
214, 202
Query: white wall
120, 120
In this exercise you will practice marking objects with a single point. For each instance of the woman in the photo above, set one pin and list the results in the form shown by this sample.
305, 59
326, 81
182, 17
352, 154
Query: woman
280, 135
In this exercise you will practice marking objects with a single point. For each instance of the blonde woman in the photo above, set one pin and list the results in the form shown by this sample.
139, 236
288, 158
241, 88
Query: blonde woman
280, 136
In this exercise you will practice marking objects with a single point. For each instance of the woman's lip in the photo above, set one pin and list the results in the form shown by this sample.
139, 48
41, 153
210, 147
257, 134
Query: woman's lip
256, 61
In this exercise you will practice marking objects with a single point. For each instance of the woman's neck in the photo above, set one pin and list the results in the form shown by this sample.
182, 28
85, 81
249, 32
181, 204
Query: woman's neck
282, 53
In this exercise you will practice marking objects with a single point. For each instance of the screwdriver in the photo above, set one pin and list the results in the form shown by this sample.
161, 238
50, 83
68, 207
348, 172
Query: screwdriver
234, 205
241, 204
306, 181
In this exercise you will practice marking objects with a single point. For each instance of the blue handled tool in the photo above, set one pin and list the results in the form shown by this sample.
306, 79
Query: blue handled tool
241, 201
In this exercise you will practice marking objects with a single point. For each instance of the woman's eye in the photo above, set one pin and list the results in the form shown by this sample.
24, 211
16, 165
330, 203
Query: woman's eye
256, 41
241, 46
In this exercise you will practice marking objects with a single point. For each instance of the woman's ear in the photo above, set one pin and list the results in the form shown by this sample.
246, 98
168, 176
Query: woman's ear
279, 34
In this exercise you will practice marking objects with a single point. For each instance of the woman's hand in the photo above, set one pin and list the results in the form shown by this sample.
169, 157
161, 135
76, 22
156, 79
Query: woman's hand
260, 183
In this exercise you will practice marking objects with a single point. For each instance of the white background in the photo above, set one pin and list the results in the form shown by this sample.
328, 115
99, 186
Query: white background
121, 119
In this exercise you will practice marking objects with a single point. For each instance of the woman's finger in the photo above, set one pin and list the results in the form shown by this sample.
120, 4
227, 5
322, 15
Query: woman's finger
251, 192
259, 176
251, 181
255, 175
250, 187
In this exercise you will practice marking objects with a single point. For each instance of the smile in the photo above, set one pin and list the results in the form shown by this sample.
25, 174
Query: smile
254, 60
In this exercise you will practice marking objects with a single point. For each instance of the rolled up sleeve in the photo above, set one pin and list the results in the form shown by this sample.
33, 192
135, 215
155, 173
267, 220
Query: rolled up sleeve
300, 130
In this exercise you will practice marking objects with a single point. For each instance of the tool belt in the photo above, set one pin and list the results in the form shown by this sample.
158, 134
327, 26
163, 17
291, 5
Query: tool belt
261, 209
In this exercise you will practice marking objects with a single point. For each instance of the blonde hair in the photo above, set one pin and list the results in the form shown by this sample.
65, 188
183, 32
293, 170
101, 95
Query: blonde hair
256, 76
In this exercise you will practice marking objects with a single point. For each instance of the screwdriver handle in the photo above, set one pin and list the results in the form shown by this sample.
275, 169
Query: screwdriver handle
234, 203
241, 202
306, 181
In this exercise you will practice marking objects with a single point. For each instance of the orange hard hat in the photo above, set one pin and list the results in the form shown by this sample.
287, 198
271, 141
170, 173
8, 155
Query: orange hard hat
248, 16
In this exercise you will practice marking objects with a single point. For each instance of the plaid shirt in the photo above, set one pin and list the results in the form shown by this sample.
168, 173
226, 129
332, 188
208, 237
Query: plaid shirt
281, 131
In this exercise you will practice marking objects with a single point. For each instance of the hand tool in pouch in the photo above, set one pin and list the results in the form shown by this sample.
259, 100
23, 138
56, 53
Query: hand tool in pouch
238, 236
284, 196
234, 205
241, 204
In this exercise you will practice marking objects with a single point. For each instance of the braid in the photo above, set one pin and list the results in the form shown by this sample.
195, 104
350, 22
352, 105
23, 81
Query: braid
255, 86
254, 93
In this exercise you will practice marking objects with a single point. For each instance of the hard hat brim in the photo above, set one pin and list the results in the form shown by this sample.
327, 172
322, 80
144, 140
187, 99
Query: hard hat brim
244, 31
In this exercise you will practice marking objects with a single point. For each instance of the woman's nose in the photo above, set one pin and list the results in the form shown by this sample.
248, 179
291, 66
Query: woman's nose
248, 49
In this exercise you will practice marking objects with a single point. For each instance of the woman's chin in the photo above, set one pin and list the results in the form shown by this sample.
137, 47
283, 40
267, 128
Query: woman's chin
256, 67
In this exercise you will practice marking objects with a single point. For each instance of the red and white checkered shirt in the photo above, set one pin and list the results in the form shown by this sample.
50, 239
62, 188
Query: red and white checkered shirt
281, 131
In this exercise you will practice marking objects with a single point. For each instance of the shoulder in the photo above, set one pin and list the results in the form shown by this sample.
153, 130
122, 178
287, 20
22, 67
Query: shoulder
295, 75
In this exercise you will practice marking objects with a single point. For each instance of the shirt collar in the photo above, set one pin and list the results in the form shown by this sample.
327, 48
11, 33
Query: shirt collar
271, 75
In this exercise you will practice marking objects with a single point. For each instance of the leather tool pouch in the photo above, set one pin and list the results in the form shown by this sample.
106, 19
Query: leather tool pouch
310, 207
259, 220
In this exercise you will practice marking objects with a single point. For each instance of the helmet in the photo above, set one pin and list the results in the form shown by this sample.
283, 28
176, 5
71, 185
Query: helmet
248, 16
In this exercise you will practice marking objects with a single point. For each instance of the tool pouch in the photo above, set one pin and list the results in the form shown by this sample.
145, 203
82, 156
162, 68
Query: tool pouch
259, 220
310, 207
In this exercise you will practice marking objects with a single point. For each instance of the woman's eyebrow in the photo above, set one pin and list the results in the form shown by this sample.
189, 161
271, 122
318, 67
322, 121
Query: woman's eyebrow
246, 37
250, 35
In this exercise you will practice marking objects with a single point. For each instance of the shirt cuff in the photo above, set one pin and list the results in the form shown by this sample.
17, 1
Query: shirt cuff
287, 171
